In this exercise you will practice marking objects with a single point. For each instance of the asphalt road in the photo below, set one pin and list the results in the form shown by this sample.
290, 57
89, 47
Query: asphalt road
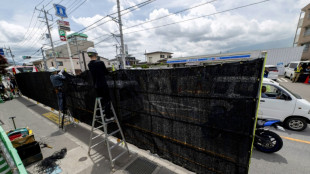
294, 157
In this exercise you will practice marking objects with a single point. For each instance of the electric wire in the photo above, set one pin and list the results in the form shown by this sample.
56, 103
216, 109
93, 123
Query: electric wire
145, 29
181, 11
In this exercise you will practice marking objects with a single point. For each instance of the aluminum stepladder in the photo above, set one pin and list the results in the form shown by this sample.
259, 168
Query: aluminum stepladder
64, 119
103, 124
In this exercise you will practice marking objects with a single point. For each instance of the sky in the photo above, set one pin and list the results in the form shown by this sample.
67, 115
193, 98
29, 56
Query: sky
183, 27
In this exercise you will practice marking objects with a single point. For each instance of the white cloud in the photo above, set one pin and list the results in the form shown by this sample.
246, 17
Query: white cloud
212, 34
266, 22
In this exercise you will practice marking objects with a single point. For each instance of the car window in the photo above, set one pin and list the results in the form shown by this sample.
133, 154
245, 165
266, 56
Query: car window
293, 65
272, 92
274, 68
294, 94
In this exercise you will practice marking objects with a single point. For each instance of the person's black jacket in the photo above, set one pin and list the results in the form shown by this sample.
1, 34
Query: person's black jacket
98, 71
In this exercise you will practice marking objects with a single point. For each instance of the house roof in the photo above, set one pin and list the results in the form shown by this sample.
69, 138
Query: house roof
157, 52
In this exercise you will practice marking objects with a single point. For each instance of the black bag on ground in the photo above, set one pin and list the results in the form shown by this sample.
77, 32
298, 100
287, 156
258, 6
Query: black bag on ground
30, 153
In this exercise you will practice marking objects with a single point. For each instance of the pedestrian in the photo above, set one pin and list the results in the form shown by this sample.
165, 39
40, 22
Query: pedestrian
266, 72
57, 80
12, 85
297, 73
307, 69
99, 71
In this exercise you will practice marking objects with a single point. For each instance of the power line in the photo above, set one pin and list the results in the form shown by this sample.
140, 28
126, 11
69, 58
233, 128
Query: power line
77, 7
199, 17
135, 6
48, 3
103, 40
29, 34
40, 3
181, 11
53, 5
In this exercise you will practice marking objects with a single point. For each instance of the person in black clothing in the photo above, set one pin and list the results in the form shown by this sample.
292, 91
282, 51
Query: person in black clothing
99, 71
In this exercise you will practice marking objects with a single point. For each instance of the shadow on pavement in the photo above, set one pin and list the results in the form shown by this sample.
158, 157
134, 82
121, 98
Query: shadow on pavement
273, 157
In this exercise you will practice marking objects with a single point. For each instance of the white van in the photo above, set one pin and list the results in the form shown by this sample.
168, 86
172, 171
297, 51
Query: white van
277, 102
290, 68
273, 72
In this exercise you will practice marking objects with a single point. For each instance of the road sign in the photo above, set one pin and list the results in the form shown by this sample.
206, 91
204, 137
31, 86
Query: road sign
63, 23
60, 11
63, 38
1, 52
62, 35
64, 28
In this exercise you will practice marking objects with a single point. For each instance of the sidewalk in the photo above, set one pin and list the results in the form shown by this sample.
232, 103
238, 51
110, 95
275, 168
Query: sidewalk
75, 139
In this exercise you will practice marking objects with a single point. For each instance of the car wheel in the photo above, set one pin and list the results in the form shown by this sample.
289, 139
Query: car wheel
285, 75
296, 124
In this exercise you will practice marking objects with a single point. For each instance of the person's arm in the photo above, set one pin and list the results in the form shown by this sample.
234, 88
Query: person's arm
264, 95
105, 70
59, 77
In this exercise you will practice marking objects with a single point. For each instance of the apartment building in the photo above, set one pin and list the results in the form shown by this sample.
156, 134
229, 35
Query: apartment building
302, 36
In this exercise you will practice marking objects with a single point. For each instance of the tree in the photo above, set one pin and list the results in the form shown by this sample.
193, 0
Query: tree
3, 64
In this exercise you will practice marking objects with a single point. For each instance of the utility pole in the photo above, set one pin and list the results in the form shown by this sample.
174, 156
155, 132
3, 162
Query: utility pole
50, 36
122, 61
70, 57
12, 56
84, 61
44, 59
78, 51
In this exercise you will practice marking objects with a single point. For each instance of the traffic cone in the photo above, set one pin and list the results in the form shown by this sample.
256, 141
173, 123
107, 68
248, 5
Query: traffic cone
307, 80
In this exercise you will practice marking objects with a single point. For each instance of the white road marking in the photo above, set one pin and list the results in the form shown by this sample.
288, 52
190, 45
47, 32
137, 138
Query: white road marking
279, 80
284, 79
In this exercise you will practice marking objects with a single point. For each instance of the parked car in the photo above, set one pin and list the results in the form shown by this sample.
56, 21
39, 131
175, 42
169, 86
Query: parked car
284, 105
273, 72
290, 68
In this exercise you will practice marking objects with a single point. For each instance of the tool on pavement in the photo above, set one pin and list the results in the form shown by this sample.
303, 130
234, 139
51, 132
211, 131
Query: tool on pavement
13, 121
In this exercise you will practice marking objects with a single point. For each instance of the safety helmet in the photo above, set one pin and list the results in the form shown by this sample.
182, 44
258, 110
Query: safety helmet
52, 69
92, 50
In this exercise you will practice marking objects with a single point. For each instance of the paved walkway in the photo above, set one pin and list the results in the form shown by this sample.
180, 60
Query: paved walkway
42, 121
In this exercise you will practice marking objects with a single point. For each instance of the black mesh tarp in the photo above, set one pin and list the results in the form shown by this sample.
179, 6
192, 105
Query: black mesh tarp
201, 118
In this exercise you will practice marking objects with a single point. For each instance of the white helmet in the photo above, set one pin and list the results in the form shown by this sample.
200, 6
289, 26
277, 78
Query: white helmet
92, 50
52, 69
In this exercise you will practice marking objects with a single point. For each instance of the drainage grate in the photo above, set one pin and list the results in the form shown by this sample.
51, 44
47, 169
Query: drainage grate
141, 166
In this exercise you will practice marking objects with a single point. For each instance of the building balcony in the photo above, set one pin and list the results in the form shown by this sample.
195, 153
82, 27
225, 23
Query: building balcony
305, 22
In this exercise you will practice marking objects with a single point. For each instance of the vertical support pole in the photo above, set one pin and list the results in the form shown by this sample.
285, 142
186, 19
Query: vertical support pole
84, 60
49, 32
122, 61
44, 59
12, 56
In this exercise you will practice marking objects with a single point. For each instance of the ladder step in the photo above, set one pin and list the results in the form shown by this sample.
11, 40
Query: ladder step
119, 156
97, 143
97, 136
112, 147
113, 132
98, 127
99, 122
